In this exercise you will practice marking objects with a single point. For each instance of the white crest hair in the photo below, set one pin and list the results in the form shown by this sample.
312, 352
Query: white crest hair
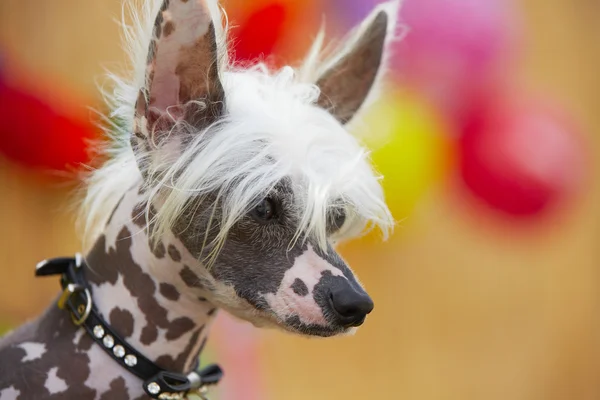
272, 131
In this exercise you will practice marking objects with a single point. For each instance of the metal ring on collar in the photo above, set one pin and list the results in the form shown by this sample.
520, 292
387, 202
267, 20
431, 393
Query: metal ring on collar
71, 289
88, 308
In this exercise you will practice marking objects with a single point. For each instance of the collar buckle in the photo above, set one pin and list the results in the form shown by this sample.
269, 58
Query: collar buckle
82, 310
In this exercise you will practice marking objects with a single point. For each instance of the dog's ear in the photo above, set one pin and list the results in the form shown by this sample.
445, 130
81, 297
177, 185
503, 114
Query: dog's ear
349, 77
182, 75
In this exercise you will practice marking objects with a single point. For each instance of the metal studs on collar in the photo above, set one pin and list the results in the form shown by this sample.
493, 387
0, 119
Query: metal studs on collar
171, 396
119, 351
108, 341
202, 393
130, 360
153, 388
98, 331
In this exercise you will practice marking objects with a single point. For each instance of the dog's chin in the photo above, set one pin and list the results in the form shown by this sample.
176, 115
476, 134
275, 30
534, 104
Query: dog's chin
293, 325
262, 319
322, 331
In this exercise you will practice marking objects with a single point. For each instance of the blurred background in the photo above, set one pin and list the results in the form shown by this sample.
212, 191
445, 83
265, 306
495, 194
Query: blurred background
487, 134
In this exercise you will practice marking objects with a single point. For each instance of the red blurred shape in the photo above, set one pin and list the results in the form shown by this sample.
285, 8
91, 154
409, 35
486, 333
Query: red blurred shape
521, 157
259, 35
34, 134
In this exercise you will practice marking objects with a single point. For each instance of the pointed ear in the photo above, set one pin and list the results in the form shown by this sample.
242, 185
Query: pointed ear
348, 78
182, 77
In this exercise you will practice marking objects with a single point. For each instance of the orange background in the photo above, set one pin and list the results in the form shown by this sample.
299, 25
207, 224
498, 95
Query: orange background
465, 309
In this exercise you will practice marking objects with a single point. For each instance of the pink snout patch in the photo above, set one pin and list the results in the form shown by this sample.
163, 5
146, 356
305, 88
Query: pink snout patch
288, 302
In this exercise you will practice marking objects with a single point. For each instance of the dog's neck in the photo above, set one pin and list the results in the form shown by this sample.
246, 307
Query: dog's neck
152, 296
148, 294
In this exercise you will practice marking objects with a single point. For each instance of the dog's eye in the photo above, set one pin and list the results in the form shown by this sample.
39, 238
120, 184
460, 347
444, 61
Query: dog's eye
265, 210
337, 218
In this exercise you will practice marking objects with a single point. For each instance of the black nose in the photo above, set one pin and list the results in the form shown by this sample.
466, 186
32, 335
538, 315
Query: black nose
350, 305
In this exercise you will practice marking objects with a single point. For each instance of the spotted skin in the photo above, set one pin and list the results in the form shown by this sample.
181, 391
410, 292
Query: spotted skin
124, 319
28, 376
169, 291
141, 273
148, 335
118, 390
170, 332
54, 383
174, 253
299, 287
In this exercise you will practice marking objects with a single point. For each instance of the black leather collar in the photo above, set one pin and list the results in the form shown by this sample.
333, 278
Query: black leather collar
77, 299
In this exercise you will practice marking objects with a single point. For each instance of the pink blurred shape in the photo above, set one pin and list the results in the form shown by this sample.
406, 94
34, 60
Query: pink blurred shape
237, 348
451, 50
454, 48
472, 32
521, 156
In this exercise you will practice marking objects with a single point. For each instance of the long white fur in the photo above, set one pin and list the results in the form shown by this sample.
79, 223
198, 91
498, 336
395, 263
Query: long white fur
272, 131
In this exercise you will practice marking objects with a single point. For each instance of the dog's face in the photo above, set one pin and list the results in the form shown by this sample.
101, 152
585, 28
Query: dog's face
265, 275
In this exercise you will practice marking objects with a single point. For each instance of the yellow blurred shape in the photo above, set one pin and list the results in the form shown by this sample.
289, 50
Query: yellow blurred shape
411, 147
